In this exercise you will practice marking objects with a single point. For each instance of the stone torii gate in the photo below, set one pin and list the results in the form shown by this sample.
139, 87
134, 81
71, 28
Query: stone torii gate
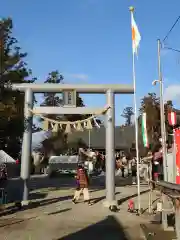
69, 92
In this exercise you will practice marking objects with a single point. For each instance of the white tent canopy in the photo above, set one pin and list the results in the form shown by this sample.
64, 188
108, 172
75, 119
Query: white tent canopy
5, 158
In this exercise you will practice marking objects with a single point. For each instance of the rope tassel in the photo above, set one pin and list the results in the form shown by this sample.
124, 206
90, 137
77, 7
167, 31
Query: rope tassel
89, 125
55, 128
68, 128
46, 125
79, 127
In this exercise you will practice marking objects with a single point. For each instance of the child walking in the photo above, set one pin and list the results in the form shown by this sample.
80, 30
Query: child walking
82, 181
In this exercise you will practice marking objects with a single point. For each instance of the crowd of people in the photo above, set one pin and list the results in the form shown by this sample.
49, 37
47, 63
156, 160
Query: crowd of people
152, 169
122, 164
97, 161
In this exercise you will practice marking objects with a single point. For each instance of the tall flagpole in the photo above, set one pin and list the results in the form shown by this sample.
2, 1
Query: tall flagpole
136, 124
89, 138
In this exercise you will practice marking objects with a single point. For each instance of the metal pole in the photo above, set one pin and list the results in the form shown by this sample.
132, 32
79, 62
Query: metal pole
1, 58
136, 137
164, 212
110, 154
150, 186
163, 129
174, 157
89, 138
26, 146
177, 222
136, 118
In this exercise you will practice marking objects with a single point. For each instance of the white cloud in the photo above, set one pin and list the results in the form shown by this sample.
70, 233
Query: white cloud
76, 76
79, 76
164, 52
172, 92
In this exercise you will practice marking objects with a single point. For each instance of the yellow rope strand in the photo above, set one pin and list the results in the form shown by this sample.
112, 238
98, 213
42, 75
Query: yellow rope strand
68, 122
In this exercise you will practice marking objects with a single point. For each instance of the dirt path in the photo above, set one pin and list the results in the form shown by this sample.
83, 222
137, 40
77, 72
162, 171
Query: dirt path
57, 218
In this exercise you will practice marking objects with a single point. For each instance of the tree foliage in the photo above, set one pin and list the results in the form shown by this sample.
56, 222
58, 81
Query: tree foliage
56, 100
150, 104
127, 114
53, 99
13, 69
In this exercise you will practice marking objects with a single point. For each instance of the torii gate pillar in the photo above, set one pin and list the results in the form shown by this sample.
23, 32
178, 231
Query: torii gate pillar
26, 144
109, 89
110, 153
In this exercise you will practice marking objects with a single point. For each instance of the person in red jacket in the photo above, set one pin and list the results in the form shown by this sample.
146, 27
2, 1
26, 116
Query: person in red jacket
82, 181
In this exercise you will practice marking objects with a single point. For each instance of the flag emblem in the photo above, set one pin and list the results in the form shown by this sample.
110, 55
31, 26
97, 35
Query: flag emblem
136, 37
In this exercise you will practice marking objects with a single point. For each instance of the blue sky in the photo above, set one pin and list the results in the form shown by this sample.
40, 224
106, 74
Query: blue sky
89, 41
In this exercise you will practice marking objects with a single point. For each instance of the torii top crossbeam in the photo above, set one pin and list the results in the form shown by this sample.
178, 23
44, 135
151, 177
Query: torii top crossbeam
79, 88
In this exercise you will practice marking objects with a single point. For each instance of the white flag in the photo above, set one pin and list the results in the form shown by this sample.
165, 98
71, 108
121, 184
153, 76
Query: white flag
136, 37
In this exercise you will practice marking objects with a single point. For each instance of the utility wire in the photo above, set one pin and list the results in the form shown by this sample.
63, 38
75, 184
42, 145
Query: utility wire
167, 35
172, 49
169, 32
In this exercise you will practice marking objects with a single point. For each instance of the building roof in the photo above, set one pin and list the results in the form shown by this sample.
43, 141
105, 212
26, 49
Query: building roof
124, 137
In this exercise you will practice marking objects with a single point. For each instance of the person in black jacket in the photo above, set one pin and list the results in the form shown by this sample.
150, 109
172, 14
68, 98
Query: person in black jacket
3, 175
3, 180
134, 171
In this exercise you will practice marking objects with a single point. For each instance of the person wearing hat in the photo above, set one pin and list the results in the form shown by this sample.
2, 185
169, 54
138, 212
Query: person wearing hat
82, 181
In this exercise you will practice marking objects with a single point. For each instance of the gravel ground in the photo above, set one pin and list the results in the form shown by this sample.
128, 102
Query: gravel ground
55, 217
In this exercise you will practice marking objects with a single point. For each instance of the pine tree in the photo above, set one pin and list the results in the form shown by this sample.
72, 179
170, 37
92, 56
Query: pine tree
13, 69
127, 114
56, 100
53, 99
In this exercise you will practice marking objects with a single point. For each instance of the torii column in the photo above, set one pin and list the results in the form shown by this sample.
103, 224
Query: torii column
26, 145
110, 152
108, 89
